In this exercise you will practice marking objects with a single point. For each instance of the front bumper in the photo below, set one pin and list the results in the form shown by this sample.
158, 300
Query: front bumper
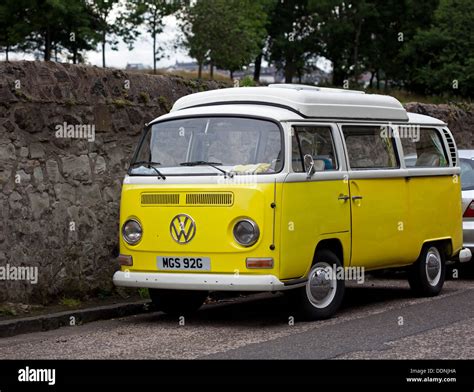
207, 282
468, 234
465, 255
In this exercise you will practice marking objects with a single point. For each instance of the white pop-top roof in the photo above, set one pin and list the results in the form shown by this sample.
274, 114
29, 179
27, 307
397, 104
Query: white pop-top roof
308, 101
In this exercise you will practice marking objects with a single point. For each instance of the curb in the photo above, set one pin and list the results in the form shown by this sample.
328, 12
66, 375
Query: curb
57, 320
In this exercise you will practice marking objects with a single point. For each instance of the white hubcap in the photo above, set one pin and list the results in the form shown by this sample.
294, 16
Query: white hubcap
433, 266
322, 285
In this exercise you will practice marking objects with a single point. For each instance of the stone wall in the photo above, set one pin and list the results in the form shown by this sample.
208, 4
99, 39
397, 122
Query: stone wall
459, 119
59, 196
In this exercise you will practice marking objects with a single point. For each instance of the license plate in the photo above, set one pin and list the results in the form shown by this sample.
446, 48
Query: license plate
184, 263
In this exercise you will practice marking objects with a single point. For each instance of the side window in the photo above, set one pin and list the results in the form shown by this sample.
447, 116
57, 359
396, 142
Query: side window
424, 150
370, 147
316, 141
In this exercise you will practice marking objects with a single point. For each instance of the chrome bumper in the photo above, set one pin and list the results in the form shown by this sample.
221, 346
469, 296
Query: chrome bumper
198, 281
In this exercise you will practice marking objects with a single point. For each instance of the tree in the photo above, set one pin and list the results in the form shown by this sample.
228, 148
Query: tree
224, 33
243, 31
149, 13
12, 34
78, 30
101, 11
441, 57
291, 41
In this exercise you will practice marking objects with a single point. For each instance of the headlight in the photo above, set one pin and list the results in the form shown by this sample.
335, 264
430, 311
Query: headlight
246, 232
132, 231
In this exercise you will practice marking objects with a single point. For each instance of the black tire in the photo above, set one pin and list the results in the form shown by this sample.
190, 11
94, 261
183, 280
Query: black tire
319, 306
177, 302
426, 276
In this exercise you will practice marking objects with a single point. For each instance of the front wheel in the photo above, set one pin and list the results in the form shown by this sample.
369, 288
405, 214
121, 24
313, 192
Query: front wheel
177, 302
322, 295
426, 276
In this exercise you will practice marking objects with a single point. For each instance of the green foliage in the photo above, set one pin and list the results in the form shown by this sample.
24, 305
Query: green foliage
441, 58
70, 302
224, 33
143, 293
247, 81
291, 37
417, 46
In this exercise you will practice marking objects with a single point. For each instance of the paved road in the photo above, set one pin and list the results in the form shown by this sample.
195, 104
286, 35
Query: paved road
380, 319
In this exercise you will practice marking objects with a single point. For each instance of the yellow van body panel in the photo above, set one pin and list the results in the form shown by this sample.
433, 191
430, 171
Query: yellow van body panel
214, 226
311, 213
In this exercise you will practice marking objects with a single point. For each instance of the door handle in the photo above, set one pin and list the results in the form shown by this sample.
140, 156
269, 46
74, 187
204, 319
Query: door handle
343, 197
357, 198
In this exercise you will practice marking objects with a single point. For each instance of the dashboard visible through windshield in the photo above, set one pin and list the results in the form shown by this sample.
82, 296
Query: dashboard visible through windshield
211, 146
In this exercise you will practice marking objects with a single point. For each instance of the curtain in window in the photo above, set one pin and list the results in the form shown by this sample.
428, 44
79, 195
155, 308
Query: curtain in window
439, 148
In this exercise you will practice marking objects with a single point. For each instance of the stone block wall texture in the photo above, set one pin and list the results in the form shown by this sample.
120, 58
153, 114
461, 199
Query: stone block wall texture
59, 197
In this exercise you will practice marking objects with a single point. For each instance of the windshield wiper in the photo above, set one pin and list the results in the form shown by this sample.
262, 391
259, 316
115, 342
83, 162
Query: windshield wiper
211, 164
150, 165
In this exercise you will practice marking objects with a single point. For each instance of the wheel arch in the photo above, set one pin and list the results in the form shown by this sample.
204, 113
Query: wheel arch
445, 245
332, 244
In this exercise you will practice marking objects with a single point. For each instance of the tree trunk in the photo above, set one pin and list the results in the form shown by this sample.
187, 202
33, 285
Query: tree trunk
371, 83
7, 49
103, 48
154, 52
47, 45
200, 70
231, 75
377, 72
356, 51
338, 75
258, 68
289, 72
211, 70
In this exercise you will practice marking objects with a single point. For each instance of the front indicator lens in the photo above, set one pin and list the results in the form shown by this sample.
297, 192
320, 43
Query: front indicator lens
259, 262
132, 232
246, 232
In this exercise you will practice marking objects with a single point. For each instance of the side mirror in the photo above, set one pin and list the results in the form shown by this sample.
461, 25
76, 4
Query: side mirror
309, 166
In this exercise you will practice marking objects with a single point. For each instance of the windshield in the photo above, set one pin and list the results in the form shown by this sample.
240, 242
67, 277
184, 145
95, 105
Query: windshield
467, 174
199, 145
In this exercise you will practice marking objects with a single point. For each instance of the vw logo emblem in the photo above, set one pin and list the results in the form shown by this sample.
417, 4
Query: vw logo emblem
182, 228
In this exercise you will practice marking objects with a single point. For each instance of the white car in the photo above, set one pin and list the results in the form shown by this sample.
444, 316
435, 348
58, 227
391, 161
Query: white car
466, 158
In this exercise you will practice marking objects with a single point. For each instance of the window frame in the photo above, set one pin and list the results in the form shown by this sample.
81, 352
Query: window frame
441, 136
394, 131
338, 155
148, 127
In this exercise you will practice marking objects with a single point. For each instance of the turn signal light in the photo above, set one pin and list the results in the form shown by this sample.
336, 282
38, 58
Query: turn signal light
469, 213
264, 263
125, 260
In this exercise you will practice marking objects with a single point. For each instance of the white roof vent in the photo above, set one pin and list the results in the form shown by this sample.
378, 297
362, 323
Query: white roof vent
300, 87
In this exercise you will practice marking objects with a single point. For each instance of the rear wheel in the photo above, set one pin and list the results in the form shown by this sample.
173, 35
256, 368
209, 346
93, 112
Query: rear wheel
322, 295
177, 302
426, 276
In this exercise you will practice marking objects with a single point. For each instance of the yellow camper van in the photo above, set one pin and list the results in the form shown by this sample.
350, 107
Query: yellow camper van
280, 188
